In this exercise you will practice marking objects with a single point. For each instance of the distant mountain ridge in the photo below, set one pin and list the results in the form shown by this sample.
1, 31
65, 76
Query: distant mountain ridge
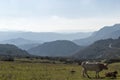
102, 49
104, 33
55, 48
17, 41
43, 36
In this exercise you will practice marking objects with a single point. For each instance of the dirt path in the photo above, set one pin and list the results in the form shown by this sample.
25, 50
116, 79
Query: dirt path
110, 46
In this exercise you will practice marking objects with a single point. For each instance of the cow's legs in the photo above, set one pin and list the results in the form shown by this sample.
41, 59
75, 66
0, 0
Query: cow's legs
97, 74
83, 72
87, 74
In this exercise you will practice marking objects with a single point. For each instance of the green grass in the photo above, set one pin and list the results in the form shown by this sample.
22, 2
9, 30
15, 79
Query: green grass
45, 71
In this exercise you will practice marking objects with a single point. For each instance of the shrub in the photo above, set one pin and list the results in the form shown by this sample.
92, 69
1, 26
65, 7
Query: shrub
7, 58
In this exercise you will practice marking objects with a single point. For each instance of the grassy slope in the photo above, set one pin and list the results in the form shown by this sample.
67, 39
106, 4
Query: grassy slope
45, 71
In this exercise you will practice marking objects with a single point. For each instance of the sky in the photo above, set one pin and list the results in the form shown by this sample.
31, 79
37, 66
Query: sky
58, 15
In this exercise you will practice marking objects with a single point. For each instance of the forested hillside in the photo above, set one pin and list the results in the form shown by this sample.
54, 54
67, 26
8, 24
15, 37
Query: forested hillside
102, 49
55, 48
12, 50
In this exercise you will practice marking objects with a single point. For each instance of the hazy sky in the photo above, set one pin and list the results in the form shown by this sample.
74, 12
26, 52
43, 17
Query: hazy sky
58, 15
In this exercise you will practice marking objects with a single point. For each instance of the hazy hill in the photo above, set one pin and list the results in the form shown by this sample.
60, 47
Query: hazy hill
28, 46
21, 43
12, 50
102, 49
18, 41
55, 48
42, 36
104, 33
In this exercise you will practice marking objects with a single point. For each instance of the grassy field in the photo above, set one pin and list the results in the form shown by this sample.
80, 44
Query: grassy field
20, 70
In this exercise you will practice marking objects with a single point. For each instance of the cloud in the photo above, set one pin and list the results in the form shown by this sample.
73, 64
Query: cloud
55, 23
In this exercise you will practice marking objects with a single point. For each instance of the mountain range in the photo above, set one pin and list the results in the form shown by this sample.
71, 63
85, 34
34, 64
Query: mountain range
98, 45
101, 49
28, 40
42, 36
104, 33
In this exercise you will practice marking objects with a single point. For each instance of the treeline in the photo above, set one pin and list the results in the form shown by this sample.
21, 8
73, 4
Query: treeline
55, 60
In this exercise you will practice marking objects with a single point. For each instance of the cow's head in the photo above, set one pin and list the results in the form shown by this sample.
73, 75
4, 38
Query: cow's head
115, 72
105, 66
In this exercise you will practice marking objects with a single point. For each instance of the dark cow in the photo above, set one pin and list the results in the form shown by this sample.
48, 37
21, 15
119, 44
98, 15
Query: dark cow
111, 74
93, 66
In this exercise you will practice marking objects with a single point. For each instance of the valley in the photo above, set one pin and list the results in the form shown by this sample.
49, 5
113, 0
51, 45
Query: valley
59, 39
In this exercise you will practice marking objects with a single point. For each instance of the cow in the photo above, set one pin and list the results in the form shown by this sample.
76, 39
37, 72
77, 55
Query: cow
111, 74
93, 66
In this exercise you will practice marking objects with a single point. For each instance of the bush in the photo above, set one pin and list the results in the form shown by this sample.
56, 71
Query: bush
7, 58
